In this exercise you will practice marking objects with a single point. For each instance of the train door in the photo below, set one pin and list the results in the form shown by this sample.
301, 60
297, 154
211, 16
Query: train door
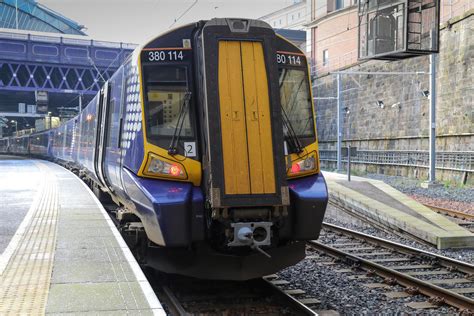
112, 154
245, 119
100, 133
242, 115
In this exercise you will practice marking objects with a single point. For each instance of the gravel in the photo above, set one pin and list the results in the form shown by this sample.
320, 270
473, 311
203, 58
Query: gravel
350, 297
340, 218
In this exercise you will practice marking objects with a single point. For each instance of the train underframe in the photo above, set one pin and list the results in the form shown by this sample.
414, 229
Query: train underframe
234, 243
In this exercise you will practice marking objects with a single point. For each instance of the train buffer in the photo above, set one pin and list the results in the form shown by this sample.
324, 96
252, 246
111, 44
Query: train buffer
59, 251
382, 205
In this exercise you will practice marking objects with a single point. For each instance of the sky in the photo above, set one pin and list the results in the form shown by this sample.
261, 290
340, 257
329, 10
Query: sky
135, 21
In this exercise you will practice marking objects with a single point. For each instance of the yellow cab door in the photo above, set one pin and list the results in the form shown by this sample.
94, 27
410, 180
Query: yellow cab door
245, 119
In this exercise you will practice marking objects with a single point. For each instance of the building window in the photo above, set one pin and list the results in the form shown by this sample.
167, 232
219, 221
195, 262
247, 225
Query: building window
292, 17
325, 57
280, 21
339, 4
299, 15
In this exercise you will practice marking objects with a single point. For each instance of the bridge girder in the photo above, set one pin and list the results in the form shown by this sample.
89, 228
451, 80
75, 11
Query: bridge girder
22, 76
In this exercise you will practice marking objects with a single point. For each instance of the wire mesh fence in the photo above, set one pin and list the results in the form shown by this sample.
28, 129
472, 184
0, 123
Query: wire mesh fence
458, 161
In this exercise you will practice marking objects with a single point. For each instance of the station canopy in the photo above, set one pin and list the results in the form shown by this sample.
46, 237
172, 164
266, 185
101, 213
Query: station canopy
31, 15
397, 29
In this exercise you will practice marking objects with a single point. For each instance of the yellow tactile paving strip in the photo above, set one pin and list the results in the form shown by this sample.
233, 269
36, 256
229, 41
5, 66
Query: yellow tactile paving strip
25, 282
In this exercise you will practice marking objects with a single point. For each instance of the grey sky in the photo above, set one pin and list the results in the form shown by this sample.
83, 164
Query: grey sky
135, 21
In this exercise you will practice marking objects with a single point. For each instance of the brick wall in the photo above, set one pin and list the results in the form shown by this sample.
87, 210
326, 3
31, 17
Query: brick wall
403, 122
336, 31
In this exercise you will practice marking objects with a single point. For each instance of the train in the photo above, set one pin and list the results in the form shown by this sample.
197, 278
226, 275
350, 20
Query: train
205, 140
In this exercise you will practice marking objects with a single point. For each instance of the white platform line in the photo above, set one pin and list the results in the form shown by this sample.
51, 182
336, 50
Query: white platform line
13, 244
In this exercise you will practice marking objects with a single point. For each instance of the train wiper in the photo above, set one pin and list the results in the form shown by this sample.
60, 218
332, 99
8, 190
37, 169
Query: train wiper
173, 148
293, 140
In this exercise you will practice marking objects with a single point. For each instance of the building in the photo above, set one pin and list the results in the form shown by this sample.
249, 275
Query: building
292, 17
48, 65
386, 104
31, 15
333, 31
290, 23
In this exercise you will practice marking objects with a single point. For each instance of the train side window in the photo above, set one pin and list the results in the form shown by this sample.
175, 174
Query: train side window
113, 105
165, 89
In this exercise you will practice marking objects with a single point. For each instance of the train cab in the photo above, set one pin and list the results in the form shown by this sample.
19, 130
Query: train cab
229, 138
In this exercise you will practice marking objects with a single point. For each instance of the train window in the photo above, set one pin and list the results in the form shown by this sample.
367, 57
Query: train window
296, 101
165, 89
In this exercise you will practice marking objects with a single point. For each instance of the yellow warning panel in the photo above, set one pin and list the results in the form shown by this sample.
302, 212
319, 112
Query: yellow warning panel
245, 119
257, 106
234, 139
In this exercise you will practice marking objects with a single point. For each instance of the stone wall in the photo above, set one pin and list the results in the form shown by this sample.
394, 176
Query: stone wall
403, 122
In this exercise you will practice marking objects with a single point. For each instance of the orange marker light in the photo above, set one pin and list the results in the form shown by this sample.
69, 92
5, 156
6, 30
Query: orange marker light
175, 170
295, 168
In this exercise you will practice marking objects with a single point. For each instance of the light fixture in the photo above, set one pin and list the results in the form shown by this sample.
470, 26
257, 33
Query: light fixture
425, 93
380, 104
303, 165
162, 167
397, 105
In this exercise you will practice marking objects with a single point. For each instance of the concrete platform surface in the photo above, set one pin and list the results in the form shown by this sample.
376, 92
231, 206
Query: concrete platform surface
60, 252
379, 203
16, 194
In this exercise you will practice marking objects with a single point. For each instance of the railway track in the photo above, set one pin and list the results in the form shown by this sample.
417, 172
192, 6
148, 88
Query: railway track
188, 296
443, 280
461, 218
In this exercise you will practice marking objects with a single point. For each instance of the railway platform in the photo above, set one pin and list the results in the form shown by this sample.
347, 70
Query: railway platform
60, 252
384, 206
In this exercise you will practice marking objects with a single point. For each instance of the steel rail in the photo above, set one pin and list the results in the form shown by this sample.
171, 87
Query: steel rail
374, 223
423, 287
422, 254
293, 301
177, 308
174, 302
450, 212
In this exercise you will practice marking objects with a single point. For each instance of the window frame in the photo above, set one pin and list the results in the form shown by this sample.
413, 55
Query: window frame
159, 139
325, 57
305, 72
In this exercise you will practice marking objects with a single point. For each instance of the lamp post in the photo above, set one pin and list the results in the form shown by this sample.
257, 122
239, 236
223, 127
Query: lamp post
49, 116
16, 126
348, 112
16, 13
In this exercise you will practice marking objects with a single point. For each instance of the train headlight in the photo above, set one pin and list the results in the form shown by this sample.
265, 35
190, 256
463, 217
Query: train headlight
158, 166
303, 166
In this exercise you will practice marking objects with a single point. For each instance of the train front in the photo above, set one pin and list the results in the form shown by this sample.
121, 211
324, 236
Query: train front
229, 186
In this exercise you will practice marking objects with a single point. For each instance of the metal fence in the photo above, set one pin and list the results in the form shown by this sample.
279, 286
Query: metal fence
449, 160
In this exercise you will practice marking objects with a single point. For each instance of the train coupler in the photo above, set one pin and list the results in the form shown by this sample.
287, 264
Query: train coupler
253, 234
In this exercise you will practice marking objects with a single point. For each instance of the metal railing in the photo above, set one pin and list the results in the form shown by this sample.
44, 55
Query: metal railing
334, 63
63, 38
448, 160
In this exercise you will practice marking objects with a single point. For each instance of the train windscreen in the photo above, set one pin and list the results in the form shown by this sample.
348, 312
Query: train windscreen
165, 91
296, 102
